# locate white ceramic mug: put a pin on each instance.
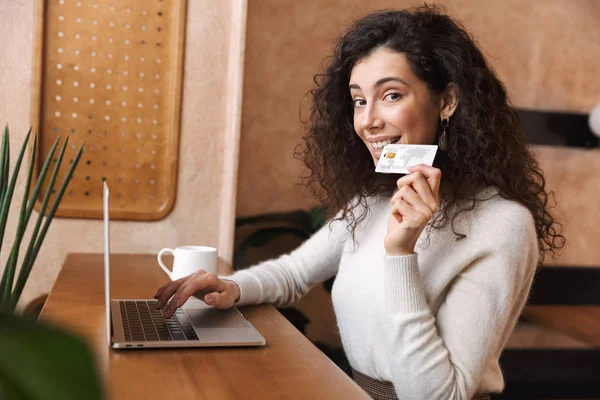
(189, 259)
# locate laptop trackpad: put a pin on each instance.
(215, 318)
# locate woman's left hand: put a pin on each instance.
(413, 206)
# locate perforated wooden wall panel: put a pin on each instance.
(108, 73)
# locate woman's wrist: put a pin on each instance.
(235, 290)
(395, 252)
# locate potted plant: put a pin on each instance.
(36, 361)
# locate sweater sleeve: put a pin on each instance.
(284, 280)
(444, 356)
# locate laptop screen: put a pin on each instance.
(106, 259)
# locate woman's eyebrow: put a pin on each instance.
(390, 79)
(381, 82)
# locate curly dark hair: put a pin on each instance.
(485, 146)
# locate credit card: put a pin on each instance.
(396, 158)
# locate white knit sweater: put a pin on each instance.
(433, 323)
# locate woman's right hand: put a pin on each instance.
(206, 286)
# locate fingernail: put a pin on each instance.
(159, 304)
(178, 303)
(208, 299)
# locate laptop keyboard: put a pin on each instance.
(142, 322)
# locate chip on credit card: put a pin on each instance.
(397, 158)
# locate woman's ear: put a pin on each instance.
(449, 100)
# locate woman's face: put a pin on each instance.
(391, 105)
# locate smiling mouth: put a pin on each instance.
(383, 143)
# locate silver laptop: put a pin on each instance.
(137, 323)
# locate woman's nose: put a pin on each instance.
(371, 119)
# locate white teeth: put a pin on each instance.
(380, 145)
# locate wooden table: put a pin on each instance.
(288, 367)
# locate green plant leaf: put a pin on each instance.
(5, 165)
(41, 177)
(57, 201)
(23, 275)
(34, 246)
(40, 362)
(10, 272)
(22, 225)
(5, 143)
(3, 182)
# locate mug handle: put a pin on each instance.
(159, 258)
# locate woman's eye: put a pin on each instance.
(392, 96)
(358, 102)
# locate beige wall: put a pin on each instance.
(546, 51)
(204, 211)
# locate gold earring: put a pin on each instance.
(443, 143)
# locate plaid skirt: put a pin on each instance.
(382, 390)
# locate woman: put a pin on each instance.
(432, 268)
